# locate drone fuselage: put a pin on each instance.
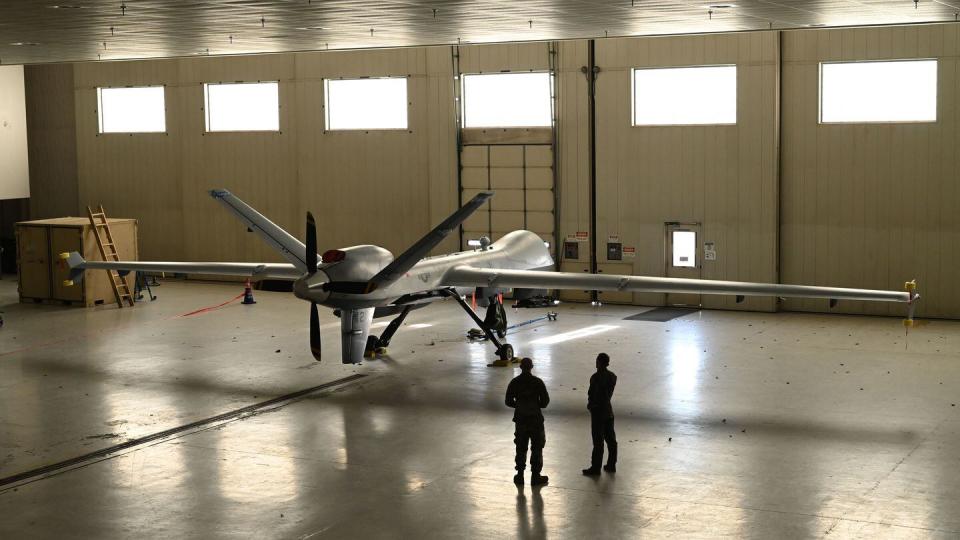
(518, 250)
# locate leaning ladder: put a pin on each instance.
(98, 220)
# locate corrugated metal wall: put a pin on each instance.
(858, 205)
(871, 205)
(724, 177)
(383, 187)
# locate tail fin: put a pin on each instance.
(354, 329)
(279, 239)
(77, 265)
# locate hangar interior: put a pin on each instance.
(746, 417)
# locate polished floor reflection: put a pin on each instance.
(730, 425)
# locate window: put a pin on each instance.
(364, 104)
(131, 110)
(684, 249)
(242, 106)
(886, 91)
(507, 100)
(685, 96)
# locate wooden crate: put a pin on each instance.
(42, 273)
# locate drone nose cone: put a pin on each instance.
(310, 288)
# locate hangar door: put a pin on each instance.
(521, 175)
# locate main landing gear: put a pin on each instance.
(378, 345)
(504, 350)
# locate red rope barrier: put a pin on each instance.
(211, 308)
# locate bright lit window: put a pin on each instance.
(862, 92)
(685, 96)
(363, 104)
(242, 106)
(131, 110)
(685, 249)
(507, 100)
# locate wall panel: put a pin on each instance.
(724, 177)
(870, 205)
(383, 187)
(133, 176)
(51, 140)
(573, 156)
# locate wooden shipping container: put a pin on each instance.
(42, 273)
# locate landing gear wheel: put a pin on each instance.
(371, 349)
(505, 354)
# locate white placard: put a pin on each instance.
(709, 251)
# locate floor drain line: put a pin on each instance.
(112, 451)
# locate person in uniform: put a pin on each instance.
(527, 395)
(599, 395)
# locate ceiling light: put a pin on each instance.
(313, 28)
(66, 6)
(816, 25)
(24, 44)
(721, 6)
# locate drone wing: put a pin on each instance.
(253, 271)
(468, 276)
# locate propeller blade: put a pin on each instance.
(311, 255)
(409, 258)
(314, 331)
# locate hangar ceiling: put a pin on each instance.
(33, 31)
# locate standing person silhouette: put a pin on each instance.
(526, 395)
(599, 395)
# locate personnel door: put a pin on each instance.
(683, 254)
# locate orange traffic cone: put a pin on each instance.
(248, 294)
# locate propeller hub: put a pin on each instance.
(310, 287)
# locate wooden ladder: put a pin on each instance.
(98, 220)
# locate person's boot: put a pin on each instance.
(610, 467)
(538, 480)
(518, 478)
(592, 471)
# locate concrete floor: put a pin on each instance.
(782, 426)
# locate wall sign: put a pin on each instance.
(709, 251)
(579, 237)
